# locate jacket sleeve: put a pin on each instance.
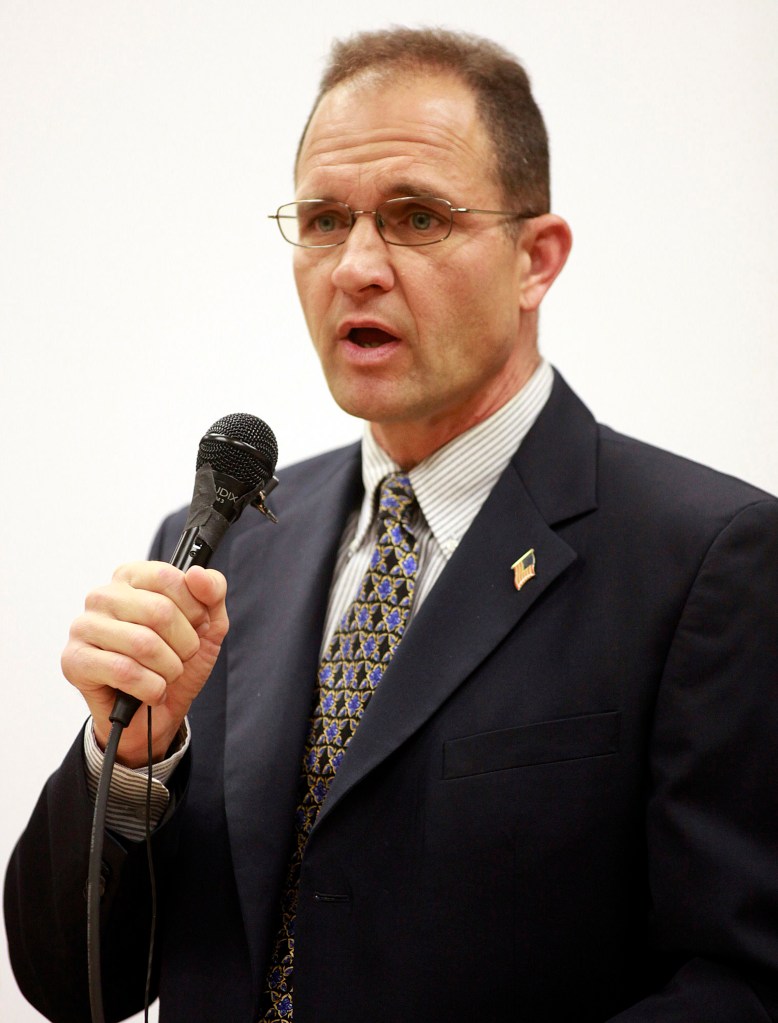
(46, 907)
(45, 896)
(712, 815)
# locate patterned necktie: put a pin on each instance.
(351, 668)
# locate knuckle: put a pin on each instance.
(144, 644)
(69, 661)
(79, 628)
(98, 599)
(167, 575)
(124, 670)
(161, 614)
(77, 663)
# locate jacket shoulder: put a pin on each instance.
(655, 470)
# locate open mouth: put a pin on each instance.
(370, 337)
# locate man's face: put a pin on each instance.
(423, 342)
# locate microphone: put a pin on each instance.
(236, 460)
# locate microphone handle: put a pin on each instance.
(190, 550)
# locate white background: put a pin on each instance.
(143, 294)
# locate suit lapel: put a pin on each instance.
(439, 651)
(437, 654)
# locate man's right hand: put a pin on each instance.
(155, 634)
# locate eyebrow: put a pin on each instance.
(415, 188)
(398, 190)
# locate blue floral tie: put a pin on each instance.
(352, 667)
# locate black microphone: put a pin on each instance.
(235, 465)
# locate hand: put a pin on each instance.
(154, 633)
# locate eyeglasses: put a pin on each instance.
(411, 220)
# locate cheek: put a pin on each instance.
(432, 291)
(459, 312)
(487, 297)
(311, 292)
(472, 330)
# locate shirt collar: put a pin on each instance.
(453, 482)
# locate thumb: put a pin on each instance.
(208, 586)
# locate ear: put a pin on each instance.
(546, 242)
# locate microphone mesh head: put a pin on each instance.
(241, 446)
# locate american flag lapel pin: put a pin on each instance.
(524, 568)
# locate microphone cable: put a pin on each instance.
(95, 882)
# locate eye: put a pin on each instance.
(421, 220)
(322, 222)
(416, 220)
(421, 217)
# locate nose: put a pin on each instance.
(363, 260)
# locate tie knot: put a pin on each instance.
(396, 499)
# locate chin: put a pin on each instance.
(369, 405)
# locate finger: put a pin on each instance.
(159, 577)
(137, 642)
(97, 672)
(122, 602)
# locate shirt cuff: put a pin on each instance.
(126, 810)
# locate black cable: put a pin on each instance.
(152, 877)
(94, 877)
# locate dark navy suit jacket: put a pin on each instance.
(561, 803)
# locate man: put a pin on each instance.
(553, 800)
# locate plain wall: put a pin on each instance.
(143, 293)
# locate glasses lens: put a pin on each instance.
(314, 223)
(414, 220)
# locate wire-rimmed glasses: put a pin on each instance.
(409, 221)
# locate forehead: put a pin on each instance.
(385, 133)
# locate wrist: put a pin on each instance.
(164, 744)
(133, 750)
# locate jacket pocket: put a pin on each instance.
(547, 742)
